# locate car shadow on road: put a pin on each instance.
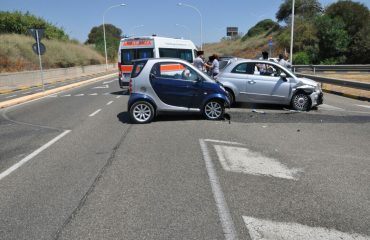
(124, 117)
(123, 92)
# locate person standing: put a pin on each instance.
(283, 62)
(215, 67)
(198, 61)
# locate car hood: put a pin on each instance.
(306, 81)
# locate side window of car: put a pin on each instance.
(244, 68)
(176, 71)
(266, 69)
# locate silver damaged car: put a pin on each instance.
(259, 81)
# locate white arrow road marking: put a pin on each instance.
(108, 81)
(365, 106)
(79, 95)
(93, 94)
(260, 229)
(242, 160)
(220, 141)
(222, 208)
(104, 86)
(330, 107)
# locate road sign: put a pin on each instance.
(37, 32)
(42, 48)
(270, 43)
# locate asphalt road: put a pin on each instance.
(73, 167)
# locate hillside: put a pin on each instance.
(251, 47)
(16, 54)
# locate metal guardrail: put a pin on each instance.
(334, 68)
(338, 82)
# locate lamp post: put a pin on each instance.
(201, 21)
(105, 41)
(183, 26)
(291, 35)
(134, 27)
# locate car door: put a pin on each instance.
(174, 83)
(266, 85)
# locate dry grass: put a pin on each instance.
(16, 54)
(250, 48)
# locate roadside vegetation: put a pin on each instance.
(338, 34)
(16, 45)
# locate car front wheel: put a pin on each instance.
(142, 112)
(301, 102)
(213, 110)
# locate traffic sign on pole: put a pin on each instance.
(37, 33)
(36, 49)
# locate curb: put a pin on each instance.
(347, 95)
(24, 99)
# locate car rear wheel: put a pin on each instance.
(213, 110)
(142, 112)
(301, 102)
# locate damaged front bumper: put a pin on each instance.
(317, 98)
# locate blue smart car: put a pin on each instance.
(173, 85)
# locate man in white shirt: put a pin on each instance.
(198, 61)
(283, 62)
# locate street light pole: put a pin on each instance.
(201, 21)
(105, 41)
(292, 34)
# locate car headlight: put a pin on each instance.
(318, 87)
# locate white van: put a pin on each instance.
(133, 48)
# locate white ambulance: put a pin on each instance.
(151, 47)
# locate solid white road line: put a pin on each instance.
(32, 155)
(118, 96)
(11, 96)
(365, 106)
(260, 229)
(223, 209)
(109, 103)
(242, 160)
(94, 113)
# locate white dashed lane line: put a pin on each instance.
(79, 95)
(94, 113)
(118, 96)
(11, 96)
(365, 106)
(93, 94)
(109, 103)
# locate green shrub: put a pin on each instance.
(266, 26)
(301, 58)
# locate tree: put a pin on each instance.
(112, 36)
(266, 26)
(306, 9)
(333, 38)
(97, 33)
(356, 19)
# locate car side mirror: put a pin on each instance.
(283, 76)
(152, 76)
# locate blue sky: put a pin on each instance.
(77, 17)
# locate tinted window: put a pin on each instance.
(138, 67)
(128, 55)
(244, 68)
(185, 54)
